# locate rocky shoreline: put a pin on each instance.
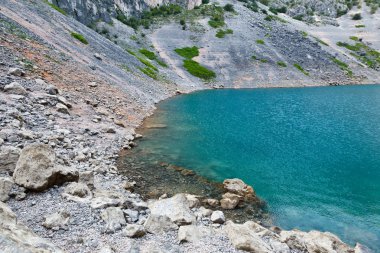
(62, 125)
(62, 183)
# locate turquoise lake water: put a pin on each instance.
(313, 154)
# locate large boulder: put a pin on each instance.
(238, 187)
(36, 169)
(5, 188)
(114, 218)
(56, 220)
(230, 200)
(252, 237)
(15, 88)
(134, 231)
(77, 192)
(192, 233)
(314, 241)
(8, 159)
(218, 217)
(14, 237)
(167, 214)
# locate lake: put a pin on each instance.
(313, 154)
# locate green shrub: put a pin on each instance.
(300, 69)
(343, 66)
(298, 17)
(320, 41)
(354, 38)
(149, 72)
(205, 1)
(55, 7)
(79, 37)
(161, 63)
(222, 33)
(304, 34)
(340, 12)
(263, 60)
(360, 26)
(357, 16)
(197, 70)
(282, 64)
(187, 52)
(147, 63)
(182, 22)
(217, 18)
(252, 6)
(278, 10)
(261, 42)
(229, 8)
(148, 54)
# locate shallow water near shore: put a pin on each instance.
(313, 154)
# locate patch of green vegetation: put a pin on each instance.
(252, 5)
(198, 70)
(14, 29)
(320, 41)
(216, 21)
(192, 66)
(146, 63)
(354, 38)
(363, 53)
(275, 10)
(131, 52)
(357, 16)
(229, 8)
(148, 17)
(187, 52)
(161, 63)
(79, 37)
(299, 67)
(55, 7)
(222, 33)
(262, 60)
(149, 72)
(282, 64)
(274, 18)
(360, 26)
(304, 34)
(343, 66)
(260, 42)
(299, 17)
(152, 56)
(148, 54)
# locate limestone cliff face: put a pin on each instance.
(89, 11)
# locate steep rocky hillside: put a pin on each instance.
(76, 79)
